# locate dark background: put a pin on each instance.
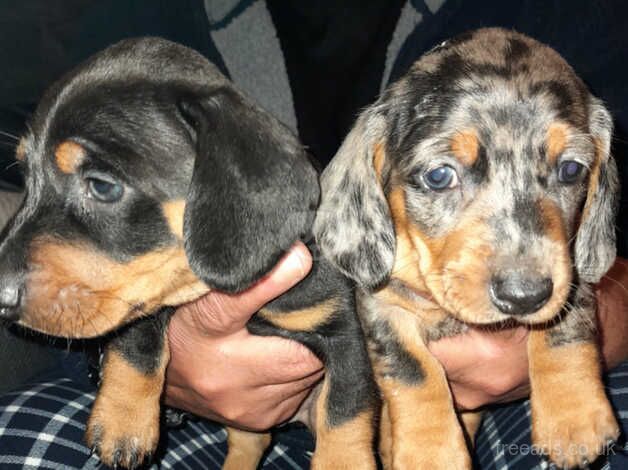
(334, 51)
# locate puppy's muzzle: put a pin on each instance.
(520, 294)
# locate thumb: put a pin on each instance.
(220, 314)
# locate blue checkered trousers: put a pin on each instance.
(42, 427)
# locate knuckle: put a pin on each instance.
(210, 390)
(215, 312)
(301, 358)
(234, 413)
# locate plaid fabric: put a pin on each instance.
(504, 441)
(42, 426)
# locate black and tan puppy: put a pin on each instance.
(149, 181)
(478, 190)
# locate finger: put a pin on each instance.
(278, 414)
(290, 407)
(281, 392)
(271, 359)
(278, 406)
(220, 313)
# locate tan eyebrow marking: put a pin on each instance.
(69, 155)
(465, 146)
(556, 140)
(20, 150)
(379, 156)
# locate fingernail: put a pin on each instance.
(297, 260)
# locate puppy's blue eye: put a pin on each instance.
(105, 191)
(443, 177)
(569, 171)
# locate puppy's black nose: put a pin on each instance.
(518, 295)
(10, 299)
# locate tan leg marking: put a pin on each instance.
(572, 420)
(306, 319)
(471, 421)
(423, 417)
(425, 431)
(348, 446)
(385, 438)
(245, 449)
(124, 423)
(69, 155)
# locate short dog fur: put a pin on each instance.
(149, 181)
(478, 190)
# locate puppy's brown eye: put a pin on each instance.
(569, 171)
(441, 178)
(104, 190)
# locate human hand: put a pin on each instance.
(485, 367)
(220, 371)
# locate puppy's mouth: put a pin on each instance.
(495, 299)
(75, 311)
(73, 292)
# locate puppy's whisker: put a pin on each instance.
(8, 134)
(11, 165)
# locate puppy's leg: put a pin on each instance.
(572, 420)
(385, 438)
(424, 428)
(245, 449)
(344, 410)
(471, 421)
(123, 427)
(344, 441)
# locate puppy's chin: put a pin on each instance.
(467, 299)
(79, 321)
(76, 292)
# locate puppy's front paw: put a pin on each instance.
(123, 434)
(574, 435)
(449, 455)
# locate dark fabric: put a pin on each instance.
(335, 54)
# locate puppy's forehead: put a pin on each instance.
(485, 60)
(128, 128)
(117, 100)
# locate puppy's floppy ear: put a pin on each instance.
(353, 225)
(253, 191)
(595, 241)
